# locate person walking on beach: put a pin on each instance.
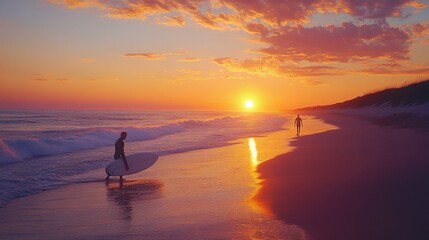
(120, 151)
(298, 124)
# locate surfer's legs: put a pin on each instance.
(120, 178)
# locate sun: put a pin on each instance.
(249, 104)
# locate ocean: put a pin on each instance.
(46, 149)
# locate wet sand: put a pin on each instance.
(203, 194)
(361, 181)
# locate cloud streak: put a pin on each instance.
(176, 21)
(190, 59)
(273, 67)
(41, 79)
(148, 56)
(160, 56)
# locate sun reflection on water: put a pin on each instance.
(253, 153)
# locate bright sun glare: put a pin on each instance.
(249, 104)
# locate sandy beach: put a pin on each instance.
(361, 181)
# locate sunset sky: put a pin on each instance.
(206, 54)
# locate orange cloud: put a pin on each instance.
(149, 56)
(190, 59)
(178, 21)
(274, 67)
(344, 43)
(272, 12)
(418, 29)
(159, 56)
(281, 26)
(76, 3)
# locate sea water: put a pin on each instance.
(46, 149)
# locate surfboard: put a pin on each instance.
(136, 162)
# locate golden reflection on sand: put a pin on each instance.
(255, 205)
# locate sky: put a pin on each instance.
(206, 54)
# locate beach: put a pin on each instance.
(360, 181)
(198, 194)
(344, 177)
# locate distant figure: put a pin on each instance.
(120, 151)
(298, 123)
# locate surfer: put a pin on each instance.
(298, 124)
(120, 151)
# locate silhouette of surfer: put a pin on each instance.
(298, 124)
(120, 151)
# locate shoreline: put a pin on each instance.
(360, 181)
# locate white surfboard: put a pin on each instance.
(136, 162)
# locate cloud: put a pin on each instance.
(190, 59)
(378, 9)
(282, 27)
(149, 56)
(255, 16)
(406, 69)
(159, 56)
(75, 3)
(222, 14)
(418, 29)
(344, 43)
(178, 21)
(274, 67)
(43, 79)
